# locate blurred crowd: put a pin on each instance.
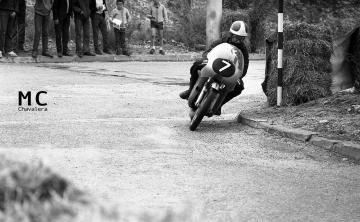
(86, 15)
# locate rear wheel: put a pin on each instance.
(203, 109)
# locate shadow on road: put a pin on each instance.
(145, 77)
(217, 126)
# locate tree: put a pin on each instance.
(261, 9)
(235, 4)
(213, 20)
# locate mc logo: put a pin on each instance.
(27, 97)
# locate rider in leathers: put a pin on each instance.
(235, 37)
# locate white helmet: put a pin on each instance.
(238, 28)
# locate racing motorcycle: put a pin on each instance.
(219, 76)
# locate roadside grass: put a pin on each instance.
(307, 67)
(332, 117)
(34, 193)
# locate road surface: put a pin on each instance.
(119, 131)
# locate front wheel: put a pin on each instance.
(203, 109)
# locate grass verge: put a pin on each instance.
(34, 193)
(333, 117)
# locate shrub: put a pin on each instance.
(191, 28)
(236, 4)
(35, 193)
(355, 59)
(306, 68)
(230, 16)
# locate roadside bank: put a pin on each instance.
(332, 123)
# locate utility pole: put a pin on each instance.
(280, 51)
(213, 21)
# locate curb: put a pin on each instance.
(103, 58)
(345, 148)
(115, 58)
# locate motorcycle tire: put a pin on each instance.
(203, 109)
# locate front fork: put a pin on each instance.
(205, 90)
(216, 86)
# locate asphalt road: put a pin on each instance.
(119, 131)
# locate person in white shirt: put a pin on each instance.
(158, 16)
(120, 18)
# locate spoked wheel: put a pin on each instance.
(203, 109)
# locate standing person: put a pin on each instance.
(42, 20)
(120, 18)
(158, 16)
(62, 12)
(21, 26)
(8, 11)
(98, 21)
(82, 13)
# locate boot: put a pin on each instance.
(126, 52)
(89, 54)
(34, 54)
(107, 51)
(185, 94)
(98, 51)
(66, 52)
(47, 54)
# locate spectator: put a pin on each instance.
(158, 17)
(62, 12)
(120, 18)
(21, 26)
(82, 25)
(8, 10)
(42, 20)
(98, 9)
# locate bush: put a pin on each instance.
(355, 59)
(140, 32)
(191, 28)
(306, 67)
(339, 27)
(35, 193)
(236, 4)
(230, 16)
(259, 16)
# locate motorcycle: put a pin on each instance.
(219, 76)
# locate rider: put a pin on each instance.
(235, 37)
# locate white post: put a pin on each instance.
(213, 21)
(280, 52)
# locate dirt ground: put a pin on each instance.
(333, 117)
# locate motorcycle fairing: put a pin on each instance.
(228, 52)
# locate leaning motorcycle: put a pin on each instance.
(219, 76)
